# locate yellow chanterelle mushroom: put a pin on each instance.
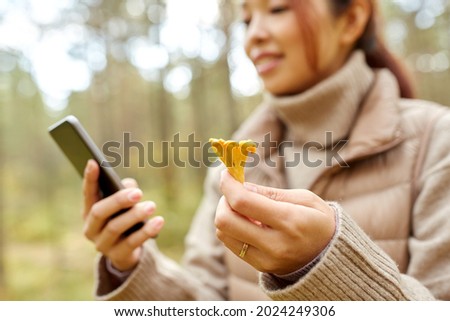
(233, 154)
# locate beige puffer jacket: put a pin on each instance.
(392, 240)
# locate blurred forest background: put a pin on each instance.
(154, 69)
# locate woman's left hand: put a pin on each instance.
(284, 229)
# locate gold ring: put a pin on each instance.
(243, 250)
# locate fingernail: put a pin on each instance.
(250, 187)
(135, 195)
(87, 169)
(149, 207)
(157, 222)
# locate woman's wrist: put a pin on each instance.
(119, 275)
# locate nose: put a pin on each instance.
(257, 30)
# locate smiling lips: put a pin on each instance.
(265, 62)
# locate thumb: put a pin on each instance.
(276, 194)
(294, 196)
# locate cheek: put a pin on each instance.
(295, 76)
(330, 54)
(296, 73)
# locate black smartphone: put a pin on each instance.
(78, 146)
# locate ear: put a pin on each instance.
(355, 20)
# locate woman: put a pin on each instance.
(362, 216)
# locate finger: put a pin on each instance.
(236, 246)
(151, 229)
(232, 224)
(102, 210)
(126, 248)
(115, 228)
(251, 254)
(91, 190)
(251, 204)
(129, 183)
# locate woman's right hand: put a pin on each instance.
(123, 252)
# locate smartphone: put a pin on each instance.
(78, 146)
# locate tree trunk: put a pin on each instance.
(163, 105)
(228, 16)
(2, 202)
(2, 232)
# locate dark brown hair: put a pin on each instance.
(371, 42)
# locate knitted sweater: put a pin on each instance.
(388, 182)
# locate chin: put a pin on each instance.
(278, 88)
(283, 91)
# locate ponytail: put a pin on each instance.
(378, 55)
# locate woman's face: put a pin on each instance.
(276, 45)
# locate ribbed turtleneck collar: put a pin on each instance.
(330, 106)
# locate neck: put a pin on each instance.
(329, 106)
